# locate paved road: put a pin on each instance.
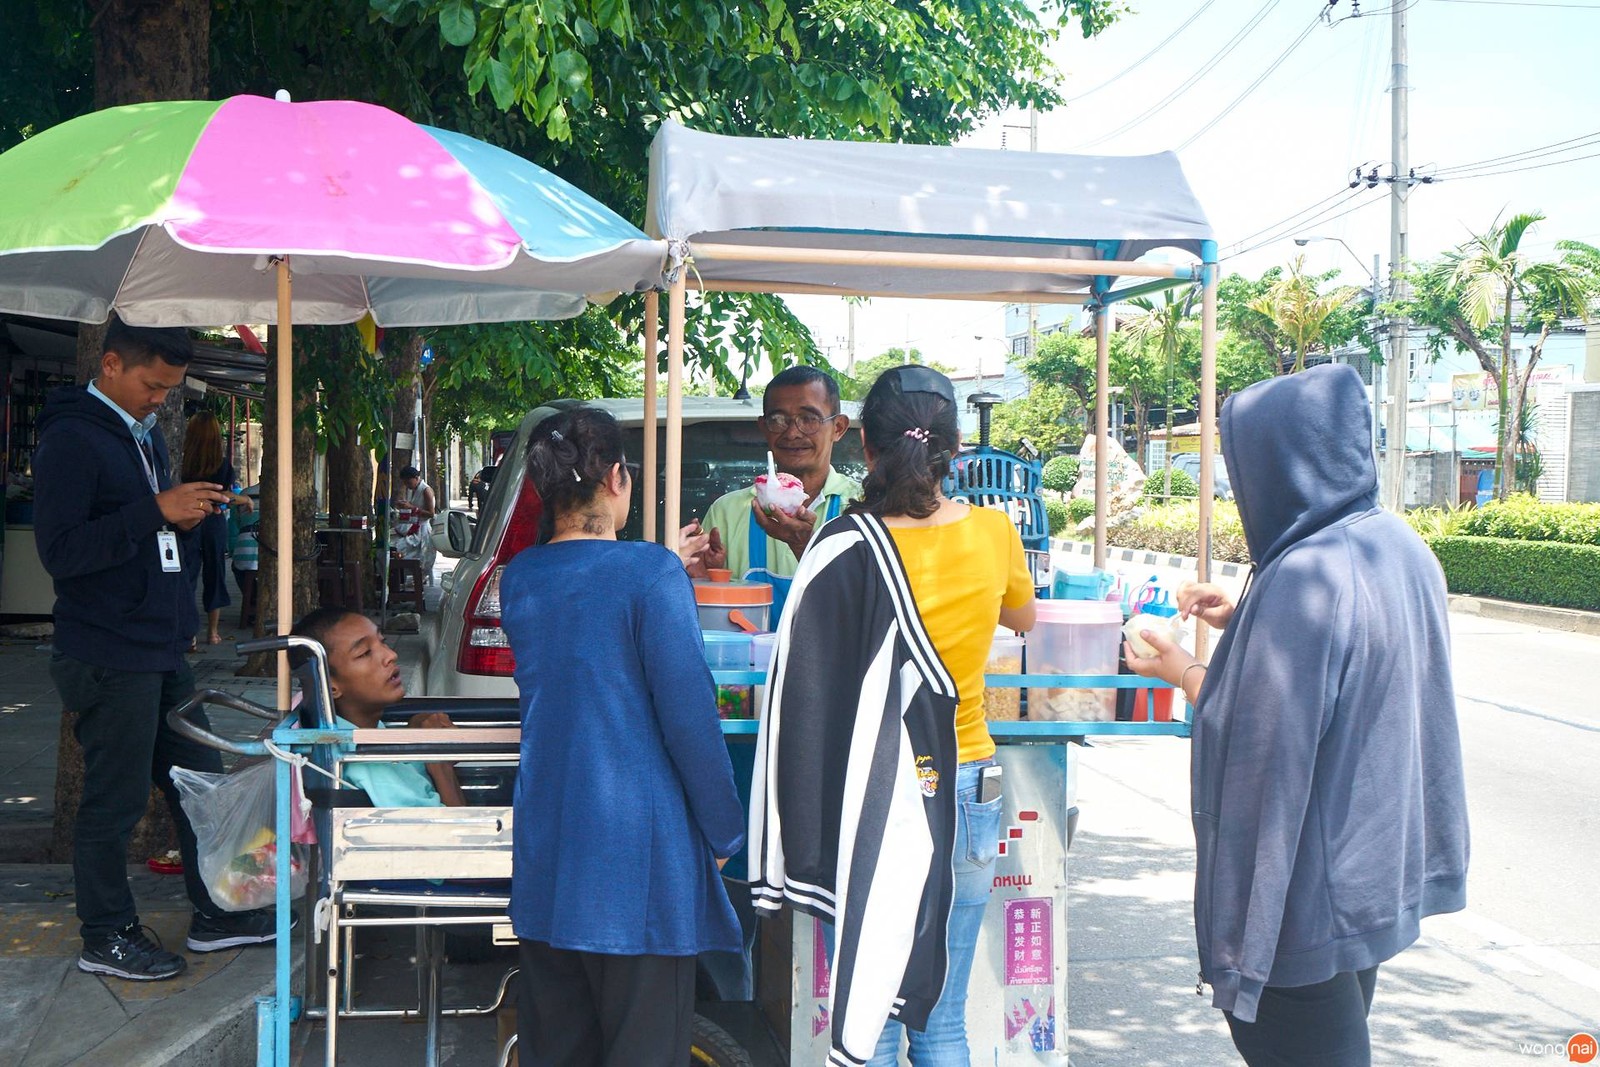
(1522, 965)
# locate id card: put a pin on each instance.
(167, 547)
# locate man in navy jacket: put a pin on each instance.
(112, 530)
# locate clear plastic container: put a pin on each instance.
(1074, 637)
(1003, 704)
(726, 651)
(761, 650)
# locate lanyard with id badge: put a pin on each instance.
(166, 537)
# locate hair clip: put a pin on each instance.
(575, 476)
(919, 433)
(555, 435)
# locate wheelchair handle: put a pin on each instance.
(178, 719)
(318, 665)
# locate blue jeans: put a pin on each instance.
(944, 1043)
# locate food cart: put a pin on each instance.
(892, 220)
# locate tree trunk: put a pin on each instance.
(350, 493)
(144, 50)
(1505, 467)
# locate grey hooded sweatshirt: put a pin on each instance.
(1329, 808)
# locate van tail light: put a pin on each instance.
(484, 646)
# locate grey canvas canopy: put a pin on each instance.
(848, 218)
(766, 193)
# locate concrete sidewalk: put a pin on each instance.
(52, 1014)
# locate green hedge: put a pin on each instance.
(1175, 528)
(1525, 518)
(1060, 474)
(1181, 485)
(1531, 572)
(1056, 512)
(1080, 508)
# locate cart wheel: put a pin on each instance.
(712, 1046)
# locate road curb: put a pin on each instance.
(1567, 619)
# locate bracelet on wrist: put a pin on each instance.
(1184, 674)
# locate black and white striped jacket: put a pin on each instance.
(853, 807)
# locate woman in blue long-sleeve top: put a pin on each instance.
(625, 804)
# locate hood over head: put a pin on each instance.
(1299, 453)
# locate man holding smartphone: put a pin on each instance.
(112, 531)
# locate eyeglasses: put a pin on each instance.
(632, 468)
(915, 378)
(807, 422)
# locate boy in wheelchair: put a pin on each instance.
(364, 678)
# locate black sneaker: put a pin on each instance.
(213, 933)
(128, 953)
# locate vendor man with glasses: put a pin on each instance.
(802, 421)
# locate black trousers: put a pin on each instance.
(584, 1009)
(127, 745)
(1322, 1025)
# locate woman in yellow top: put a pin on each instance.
(968, 574)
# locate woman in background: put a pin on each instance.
(204, 461)
(854, 696)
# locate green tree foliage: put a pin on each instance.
(867, 371)
(1047, 415)
(1268, 335)
(1301, 311)
(1169, 329)
(579, 86)
(1480, 294)
(1170, 483)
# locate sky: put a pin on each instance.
(1487, 78)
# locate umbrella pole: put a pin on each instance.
(285, 445)
(652, 322)
(1102, 376)
(675, 297)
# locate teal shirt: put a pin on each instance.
(391, 785)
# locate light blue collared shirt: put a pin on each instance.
(140, 430)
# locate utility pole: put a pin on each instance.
(1033, 309)
(1399, 190)
(850, 352)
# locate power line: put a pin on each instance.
(1136, 64)
(1189, 83)
(1524, 3)
(1293, 219)
(1253, 86)
(1516, 170)
(1331, 214)
(1528, 153)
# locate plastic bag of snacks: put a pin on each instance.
(232, 815)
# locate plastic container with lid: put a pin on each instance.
(761, 650)
(1003, 704)
(726, 651)
(718, 600)
(1074, 637)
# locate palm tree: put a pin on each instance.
(1300, 312)
(1476, 293)
(1167, 324)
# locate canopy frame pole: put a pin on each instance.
(675, 316)
(723, 285)
(1208, 424)
(1102, 412)
(284, 472)
(705, 254)
(647, 458)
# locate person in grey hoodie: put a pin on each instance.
(1328, 801)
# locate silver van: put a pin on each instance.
(466, 651)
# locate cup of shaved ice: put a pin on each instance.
(782, 491)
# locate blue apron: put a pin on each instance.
(758, 562)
